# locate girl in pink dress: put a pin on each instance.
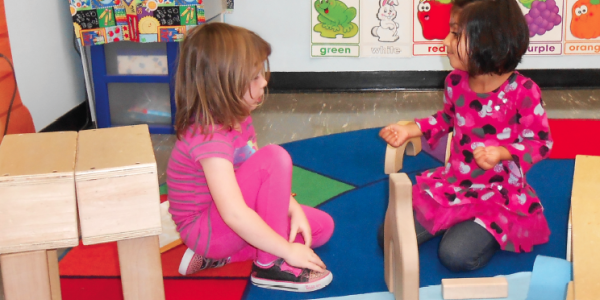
(480, 201)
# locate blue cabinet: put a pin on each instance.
(134, 84)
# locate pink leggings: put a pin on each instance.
(265, 180)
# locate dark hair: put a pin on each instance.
(217, 63)
(496, 34)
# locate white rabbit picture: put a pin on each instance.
(387, 31)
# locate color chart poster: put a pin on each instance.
(545, 21)
(582, 28)
(355, 28)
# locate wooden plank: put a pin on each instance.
(114, 147)
(570, 238)
(25, 275)
(39, 153)
(169, 238)
(475, 288)
(54, 275)
(141, 269)
(570, 295)
(586, 222)
(401, 253)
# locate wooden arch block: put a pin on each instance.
(395, 156)
(401, 252)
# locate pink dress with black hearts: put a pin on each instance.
(498, 199)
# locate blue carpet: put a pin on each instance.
(353, 255)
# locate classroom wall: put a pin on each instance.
(286, 25)
(48, 70)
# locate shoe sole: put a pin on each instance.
(301, 287)
(185, 261)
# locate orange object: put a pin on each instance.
(586, 19)
(20, 118)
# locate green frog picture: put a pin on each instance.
(335, 18)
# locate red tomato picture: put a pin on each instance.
(434, 17)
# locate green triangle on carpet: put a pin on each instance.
(163, 189)
(313, 189)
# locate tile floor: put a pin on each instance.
(291, 117)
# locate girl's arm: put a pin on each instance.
(534, 141)
(441, 123)
(244, 221)
(396, 135)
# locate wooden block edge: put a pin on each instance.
(66, 243)
(120, 236)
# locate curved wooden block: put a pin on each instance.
(448, 147)
(401, 252)
(395, 156)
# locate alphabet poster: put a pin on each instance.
(355, 28)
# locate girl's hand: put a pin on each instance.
(394, 134)
(488, 157)
(299, 224)
(301, 256)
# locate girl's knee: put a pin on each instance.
(456, 259)
(326, 225)
(277, 155)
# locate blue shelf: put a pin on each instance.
(102, 79)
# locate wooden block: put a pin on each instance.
(25, 275)
(585, 208)
(401, 253)
(117, 184)
(584, 226)
(37, 192)
(474, 288)
(395, 156)
(54, 274)
(141, 269)
(569, 239)
(570, 295)
(448, 147)
(169, 238)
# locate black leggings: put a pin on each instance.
(466, 246)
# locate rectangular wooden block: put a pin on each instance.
(37, 192)
(570, 295)
(141, 269)
(117, 184)
(473, 288)
(26, 276)
(585, 209)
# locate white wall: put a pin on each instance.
(286, 25)
(48, 70)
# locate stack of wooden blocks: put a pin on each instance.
(118, 198)
(38, 209)
(110, 176)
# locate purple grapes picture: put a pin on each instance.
(542, 17)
